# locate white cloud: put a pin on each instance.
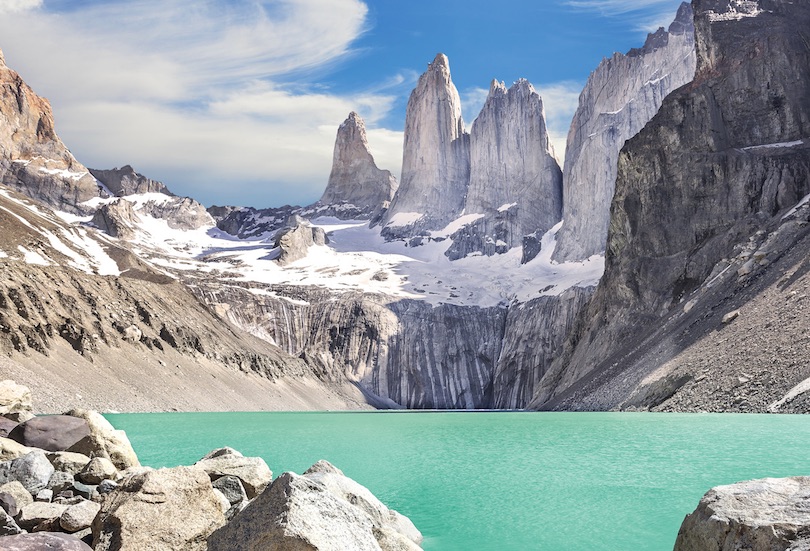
(472, 101)
(560, 101)
(644, 15)
(16, 6)
(197, 94)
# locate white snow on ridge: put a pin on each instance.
(402, 219)
(506, 207)
(774, 145)
(456, 225)
(33, 257)
(738, 9)
(64, 173)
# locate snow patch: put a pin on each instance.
(33, 257)
(774, 145)
(800, 204)
(737, 9)
(64, 173)
(456, 225)
(504, 208)
(3, 254)
(402, 219)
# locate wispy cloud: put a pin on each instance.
(201, 94)
(644, 15)
(17, 6)
(560, 101)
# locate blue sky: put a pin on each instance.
(238, 102)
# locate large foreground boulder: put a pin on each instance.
(33, 471)
(771, 514)
(14, 398)
(164, 510)
(104, 441)
(44, 541)
(324, 511)
(51, 432)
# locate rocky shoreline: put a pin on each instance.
(72, 482)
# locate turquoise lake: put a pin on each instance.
(506, 481)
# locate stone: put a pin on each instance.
(231, 487)
(435, 159)
(620, 97)
(125, 181)
(87, 491)
(7, 526)
(296, 513)
(44, 540)
(17, 491)
(14, 398)
(69, 462)
(253, 472)
(515, 181)
(104, 441)
(51, 432)
(80, 516)
(32, 470)
(356, 189)
(6, 426)
(731, 316)
(117, 219)
(97, 470)
(294, 241)
(37, 513)
(107, 486)
(162, 510)
(11, 449)
(343, 487)
(9, 504)
(44, 496)
(769, 514)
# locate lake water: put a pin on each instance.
(506, 481)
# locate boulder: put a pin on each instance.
(50, 432)
(44, 540)
(22, 497)
(87, 491)
(6, 426)
(60, 481)
(7, 525)
(8, 503)
(33, 471)
(104, 441)
(98, 469)
(69, 462)
(231, 487)
(107, 486)
(39, 513)
(45, 496)
(343, 487)
(252, 471)
(14, 398)
(296, 513)
(79, 516)
(162, 510)
(770, 514)
(11, 449)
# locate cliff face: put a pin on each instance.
(33, 160)
(356, 188)
(702, 193)
(515, 182)
(436, 155)
(620, 97)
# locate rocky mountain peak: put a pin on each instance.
(356, 187)
(497, 86)
(684, 22)
(125, 181)
(435, 160)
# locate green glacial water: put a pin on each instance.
(506, 481)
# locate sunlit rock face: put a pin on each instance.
(515, 181)
(620, 97)
(356, 188)
(436, 156)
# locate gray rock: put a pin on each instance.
(231, 487)
(253, 472)
(759, 515)
(436, 157)
(107, 486)
(50, 432)
(7, 525)
(117, 219)
(163, 510)
(619, 99)
(515, 181)
(357, 188)
(60, 481)
(125, 181)
(104, 441)
(68, 462)
(97, 470)
(32, 470)
(14, 398)
(18, 493)
(6, 426)
(294, 241)
(44, 540)
(40, 513)
(44, 496)
(87, 491)
(297, 513)
(79, 516)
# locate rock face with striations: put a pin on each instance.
(723, 162)
(125, 181)
(357, 188)
(515, 181)
(436, 157)
(33, 160)
(620, 97)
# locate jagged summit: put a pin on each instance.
(125, 181)
(356, 188)
(620, 97)
(435, 160)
